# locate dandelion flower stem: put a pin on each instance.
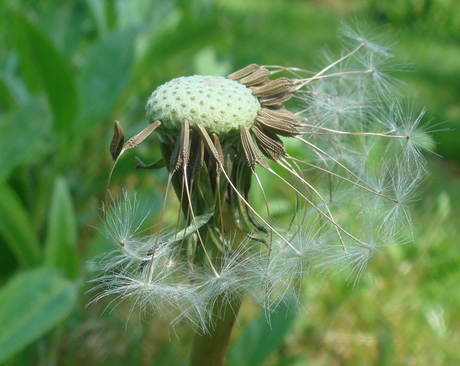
(210, 349)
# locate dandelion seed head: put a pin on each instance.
(358, 166)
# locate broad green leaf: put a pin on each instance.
(16, 228)
(31, 303)
(23, 136)
(61, 236)
(261, 338)
(104, 75)
(43, 63)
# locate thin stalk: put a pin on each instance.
(210, 349)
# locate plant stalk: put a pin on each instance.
(210, 349)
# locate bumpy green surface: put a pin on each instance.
(219, 104)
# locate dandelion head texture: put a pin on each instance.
(356, 162)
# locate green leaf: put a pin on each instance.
(32, 303)
(104, 75)
(29, 127)
(61, 236)
(43, 65)
(261, 338)
(16, 228)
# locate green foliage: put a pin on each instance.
(31, 303)
(68, 69)
(61, 239)
(20, 125)
(99, 89)
(263, 336)
(43, 66)
(17, 229)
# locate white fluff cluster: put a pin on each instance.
(178, 289)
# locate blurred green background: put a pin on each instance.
(69, 68)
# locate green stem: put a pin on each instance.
(210, 349)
